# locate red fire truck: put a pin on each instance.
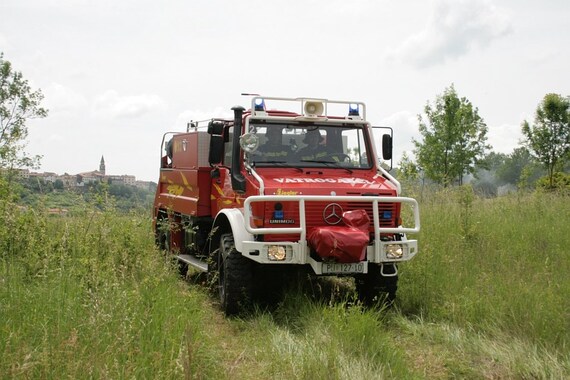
(290, 183)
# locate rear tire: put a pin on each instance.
(162, 233)
(235, 280)
(373, 288)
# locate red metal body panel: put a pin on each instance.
(185, 186)
(222, 195)
(184, 191)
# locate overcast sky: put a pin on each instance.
(118, 74)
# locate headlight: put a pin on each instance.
(276, 253)
(394, 251)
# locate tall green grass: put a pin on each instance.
(315, 339)
(494, 264)
(90, 297)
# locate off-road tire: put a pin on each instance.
(162, 234)
(375, 289)
(235, 280)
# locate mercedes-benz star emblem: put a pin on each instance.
(332, 214)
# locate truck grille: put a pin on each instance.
(314, 215)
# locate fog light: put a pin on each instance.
(276, 253)
(394, 251)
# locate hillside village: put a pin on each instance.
(71, 181)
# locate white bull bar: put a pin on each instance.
(298, 252)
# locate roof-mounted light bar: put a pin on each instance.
(309, 108)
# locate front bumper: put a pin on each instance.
(299, 252)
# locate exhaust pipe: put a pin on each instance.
(238, 180)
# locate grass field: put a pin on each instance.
(89, 296)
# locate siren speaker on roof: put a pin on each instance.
(314, 108)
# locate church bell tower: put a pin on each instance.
(102, 166)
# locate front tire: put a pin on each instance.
(235, 280)
(373, 288)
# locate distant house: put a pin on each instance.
(90, 177)
(85, 178)
(16, 173)
(69, 180)
(121, 179)
(146, 185)
(46, 176)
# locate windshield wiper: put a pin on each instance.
(284, 164)
(329, 163)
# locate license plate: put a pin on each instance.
(339, 268)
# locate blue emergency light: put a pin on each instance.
(353, 110)
(259, 104)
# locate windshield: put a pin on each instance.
(310, 146)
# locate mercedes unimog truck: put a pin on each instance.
(289, 183)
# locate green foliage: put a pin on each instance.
(407, 169)
(493, 265)
(18, 103)
(453, 139)
(560, 182)
(91, 297)
(519, 165)
(549, 138)
(36, 192)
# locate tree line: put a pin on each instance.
(38, 193)
(453, 146)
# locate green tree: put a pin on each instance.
(18, 103)
(519, 165)
(58, 184)
(454, 139)
(408, 169)
(548, 139)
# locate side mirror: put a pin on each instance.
(387, 147)
(216, 149)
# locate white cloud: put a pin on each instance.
(112, 105)
(452, 30)
(61, 98)
(4, 45)
(504, 138)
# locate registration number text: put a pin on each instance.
(343, 268)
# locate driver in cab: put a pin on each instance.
(314, 150)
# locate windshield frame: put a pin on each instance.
(344, 146)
